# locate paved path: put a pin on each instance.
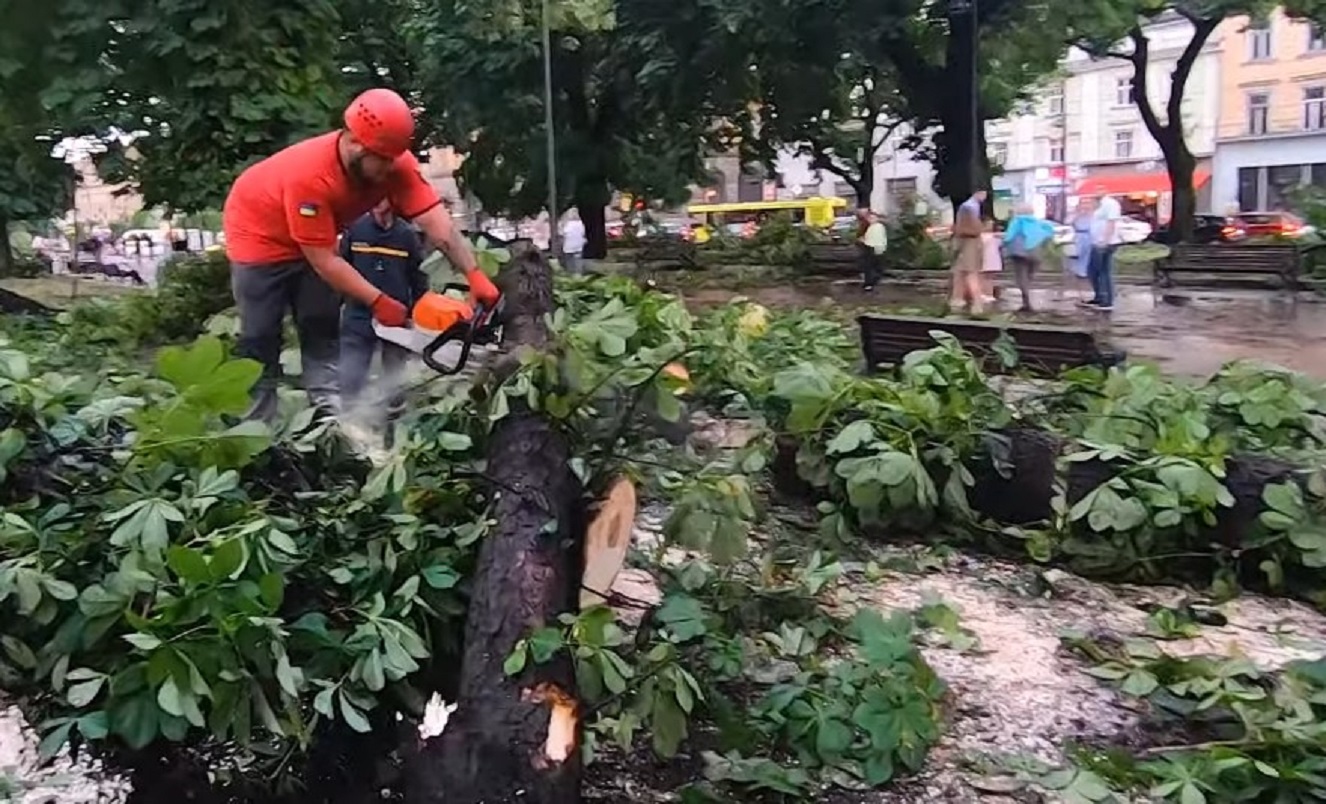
(1188, 331)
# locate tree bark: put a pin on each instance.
(516, 738)
(592, 199)
(1180, 164)
(6, 251)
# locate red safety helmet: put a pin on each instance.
(381, 121)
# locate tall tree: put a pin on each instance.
(1117, 30)
(37, 52)
(214, 86)
(933, 65)
(638, 94)
(826, 91)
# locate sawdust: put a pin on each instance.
(67, 779)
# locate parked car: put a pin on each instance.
(1206, 229)
(1272, 224)
(1133, 230)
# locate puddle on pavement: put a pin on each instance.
(1189, 332)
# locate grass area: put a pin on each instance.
(62, 291)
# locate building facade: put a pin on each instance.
(1082, 133)
(1271, 135)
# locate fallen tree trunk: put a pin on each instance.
(516, 738)
(1015, 480)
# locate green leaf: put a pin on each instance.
(144, 642)
(188, 564)
(851, 438)
(81, 694)
(353, 717)
(54, 740)
(168, 698)
(136, 719)
(515, 661)
(440, 576)
(668, 724)
(454, 442)
(683, 615)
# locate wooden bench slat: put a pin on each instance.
(1042, 348)
(1269, 259)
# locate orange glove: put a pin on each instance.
(389, 312)
(482, 289)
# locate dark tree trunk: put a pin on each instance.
(591, 199)
(6, 252)
(1180, 163)
(497, 746)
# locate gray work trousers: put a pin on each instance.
(264, 294)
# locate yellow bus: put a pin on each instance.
(818, 212)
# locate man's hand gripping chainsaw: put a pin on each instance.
(440, 321)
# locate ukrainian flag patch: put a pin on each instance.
(308, 210)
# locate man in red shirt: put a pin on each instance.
(281, 221)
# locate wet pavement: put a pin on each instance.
(1189, 331)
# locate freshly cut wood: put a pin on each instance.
(515, 738)
(607, 540)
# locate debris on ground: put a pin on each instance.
(67, 779)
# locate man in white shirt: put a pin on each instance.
(573, 242)
(873, 242)
(1105, 240)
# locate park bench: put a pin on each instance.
(1225, 261)
(665, 253)
(834, 257)
(1043, 349)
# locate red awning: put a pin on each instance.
(1130, 184)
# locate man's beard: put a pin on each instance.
(356, 170)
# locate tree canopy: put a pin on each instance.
(639, 95)
(1116, 29)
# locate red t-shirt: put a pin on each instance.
(302, 196)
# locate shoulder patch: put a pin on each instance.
(308, 209)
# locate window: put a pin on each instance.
(1316, 39)
(1250, 188)
(1259, 106)
(1055, 100)
(1123, 91)
(1259, 41)
(998, 153)
(1314, 108)
(1123, 144)
(1281, 182)
(1056, 151)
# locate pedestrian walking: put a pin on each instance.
(1023, 240)
(573, 242)
(386, 251)
(967, 255)
(1105, 241)
(281, 221)
(872, 242)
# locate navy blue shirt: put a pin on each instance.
(389, 258)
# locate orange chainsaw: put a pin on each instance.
(444, 329)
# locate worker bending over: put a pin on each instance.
(281, 220)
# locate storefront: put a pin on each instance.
(1144, 194)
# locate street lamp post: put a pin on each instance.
(548, 127)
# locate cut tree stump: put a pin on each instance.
(516, 738)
